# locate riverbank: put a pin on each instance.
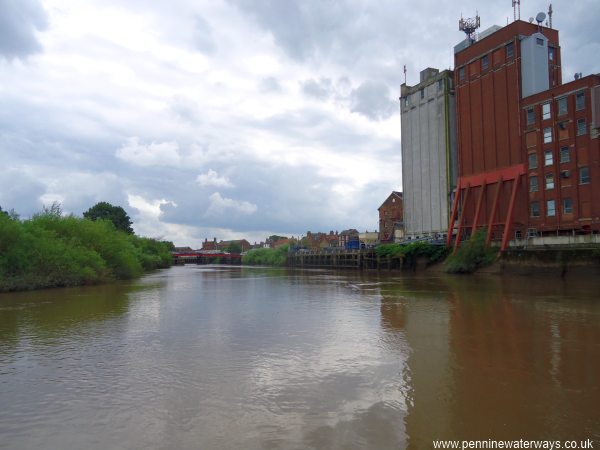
(50, 250)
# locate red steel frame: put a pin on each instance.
(499, 178)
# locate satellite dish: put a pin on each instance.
(540, 17)
(531, 20)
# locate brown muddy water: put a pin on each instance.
(214, 357)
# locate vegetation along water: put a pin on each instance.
(51, 249)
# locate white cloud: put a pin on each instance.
(153, 154)
(212, 178)
(150, 208)
(220, 205)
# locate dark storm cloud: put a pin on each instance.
(19, 21)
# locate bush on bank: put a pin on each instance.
(410, 252)
(266, 256)
(471, 255)
(50, 250)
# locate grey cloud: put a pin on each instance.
(19, 21)
(202, 38)
(321, 89)
(373, 100)
(270, 84)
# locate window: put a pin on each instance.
(550, 208)
(551, 53)
(567, 206)
(440, 85)
(533, 184)
(539, 41)
(563, 130)
(548, 160)
(546, 111)
(549, 181)
(461, 73)
(518, 235)
(580, 100)
(530, 116)
(510, 50)
(584, 175)
(532, 159)
(547, 135)
(565, 155)
(562, 106)
(485, 63)
(581, 127)
(407, 101)
(422, 94)
(534, 209)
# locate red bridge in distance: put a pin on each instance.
(206, 257)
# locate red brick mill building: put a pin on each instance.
(528, 146)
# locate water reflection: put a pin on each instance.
(229, 357)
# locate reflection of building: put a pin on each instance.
(428, 152)
(528, 146)
(390, 217)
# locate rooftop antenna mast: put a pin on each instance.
(550, 15)
(517, 6)
(404, 73)
(468, 26)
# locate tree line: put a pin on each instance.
(51, 249)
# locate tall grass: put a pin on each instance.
(50, 250)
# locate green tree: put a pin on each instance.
(115, 214)
(234, 247)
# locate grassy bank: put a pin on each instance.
(50, 250)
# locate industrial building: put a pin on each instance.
(528, 147)
(429, 162)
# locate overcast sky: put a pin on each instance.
(227, 119)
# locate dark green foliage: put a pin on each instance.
(234, 247)
(410, 252)
(115, 214)
(266, 256)
(471, 255)
(50, 250)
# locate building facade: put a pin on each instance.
(429, 161)
(511, 138)
(391, 217)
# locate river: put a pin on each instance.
(217, 357)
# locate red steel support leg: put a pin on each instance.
(509, 215)
(478, 209)
(453, 214)
(493, 215)
(462, 217)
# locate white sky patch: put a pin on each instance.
(220, 205)
(149, 208)
(212, 178)
(153, 154)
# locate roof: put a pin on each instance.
(394, 194)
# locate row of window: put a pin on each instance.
(565, 157)
(567, 208)
(509, 50)
(584, 178)
(562, 108)
(440, 88)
